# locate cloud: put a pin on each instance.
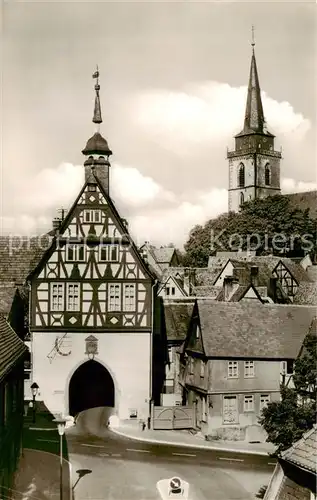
(293, 186)
(207, 113)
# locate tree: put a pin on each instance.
(286, 421)
(268, 226)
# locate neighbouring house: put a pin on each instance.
(159, 259)
(177, 316)
(12, 356)
(177, 283)
(295, 476)
(233, 360)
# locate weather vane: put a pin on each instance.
(253, 42)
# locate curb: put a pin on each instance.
(188, 445)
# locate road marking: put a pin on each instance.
(272, 463)
(116, 455)
(184, 454)
(94, 445)
(104, 455)
(49, 440)
(140, 451)
(231, 459)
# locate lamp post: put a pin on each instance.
(34, 389)
(61, 422)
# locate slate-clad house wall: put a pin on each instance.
(12, 355)
(233, 362)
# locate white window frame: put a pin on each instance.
(249, 369)
(263, 404)
(58, 303)
(76, 249)
(109, 249)
(248, 403)
(129, 299)
(202, 368)
(92, 216)
(73, 297)
(233, 369)
(114, 298)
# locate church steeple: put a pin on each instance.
(97, 149)
(254, 121)
(254, 165)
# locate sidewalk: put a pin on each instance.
(37, 477)
(185, 438)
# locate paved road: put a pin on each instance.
(117, 468)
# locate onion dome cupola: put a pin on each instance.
(97, 149)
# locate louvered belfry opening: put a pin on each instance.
(91, 386)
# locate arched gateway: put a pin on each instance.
(91, 386)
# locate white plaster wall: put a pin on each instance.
(125, 355)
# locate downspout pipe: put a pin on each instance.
(151, 353)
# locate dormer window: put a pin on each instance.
(267, 175)
(241, 175)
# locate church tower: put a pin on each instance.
(254, 165)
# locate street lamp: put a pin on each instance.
(34, 389)
(61, 422)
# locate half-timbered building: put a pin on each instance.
(91, 312)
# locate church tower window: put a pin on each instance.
(241, 175)
(267, 175)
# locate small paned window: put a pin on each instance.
(173, 290)
(233, 369)
(72, 297)
(75, 252)
(264, 400)
(249, 402)
(57, 296)
(92, 216)
(109, 253)
(248, 369)
(167, 290)
(114, 297)
(129, 297)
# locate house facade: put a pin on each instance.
(12, 355)
(91, 312)
(233, 360)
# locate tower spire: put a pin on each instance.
(97, 109)
(254, 117)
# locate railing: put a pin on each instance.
(249, 151)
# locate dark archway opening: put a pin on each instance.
(91, 386)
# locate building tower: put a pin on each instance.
(97, 148)
(254, 165)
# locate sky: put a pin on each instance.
(173, 79)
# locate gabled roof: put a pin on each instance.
(19, 255)
(68, 218)
(11, 347)
(253, 330)
(163, 255)
(297, 271)
(177, 315)
(177, 280)
(304, 452)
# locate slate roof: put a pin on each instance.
(7, 293)
(303, 201)
(253, 330)
(306, 294)
(271, 262)
(177, 316)
(20, 255)
(11, 347)
(163, 255)
(304, 452)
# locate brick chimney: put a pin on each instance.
(254, 275)
(189, 280)
(272, 288)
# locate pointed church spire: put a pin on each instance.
(97, 110)
(254, 117)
